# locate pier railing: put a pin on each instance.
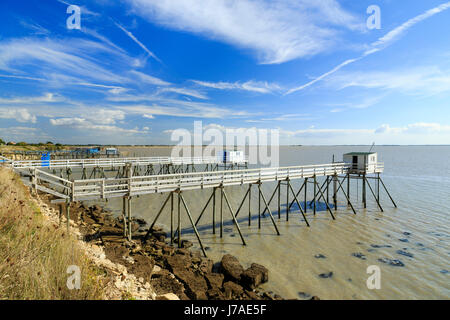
(139, 185)
(115, 162)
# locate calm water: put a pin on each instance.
(418, 178)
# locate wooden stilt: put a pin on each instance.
(234, 218)
(268, 210)
(300, 207)
(192, 223)
(385, 189)
(373, 193)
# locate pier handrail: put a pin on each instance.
(99, 162)
(137, 185)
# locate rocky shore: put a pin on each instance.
(155, 269)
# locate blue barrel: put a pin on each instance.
(45, 159)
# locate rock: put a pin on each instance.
(254, 276)
(304, 295)
(381, 246)
(178, 262)
(214, 280)
(392, 262)
(315, 298)
(326, 275)
(359, 255)
(319, 256)
(252, 295)
(404, 253)
(215, 294)
(195, 284)
(231, 267)
(186, 244)
(156, 269)
(167, 296)
(407, 233)
(444, 271)
(232, 290)
(403, 240)
(206, 265)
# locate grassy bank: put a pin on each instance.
(34, 253)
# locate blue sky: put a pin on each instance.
(138, 69)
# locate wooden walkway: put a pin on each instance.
(115, 162)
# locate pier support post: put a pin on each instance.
(129, 219)
(214, 211)
(335, 190)
(314, 199)
(249, 204)
(299, 206)
(221, 211)
(373, 193)
(279, 200)
(68, 215)
(385, 189)
(171, 218)
(234, 217)
(259, 205)
(306, 195)
(179, 219)
(268, 210)
(288, 186)
(124, 211)
(364, 191)
(348, 188)
(192, 223)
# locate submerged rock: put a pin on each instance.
(392, 262)
(319, 256)
(326, 275)
(403, 240)
(304, 295)
(381, 246)
(404, 253)
(359, 255)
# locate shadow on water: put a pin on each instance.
(294, 212)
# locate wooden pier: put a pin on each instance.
(335, 179)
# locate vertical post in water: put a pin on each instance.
(315, 189)
(378, 187)
(179, 218)
(279, 199)
(348, 188)
(214, 211)
(364, 190)
(129, 219)
(171, 217)
(249, 204)
(124, 212)
(288, 184)
(259, 204)
(306, 194)
(335, 191)
(221, 211)
(68, 215)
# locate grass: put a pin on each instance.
(34, 253)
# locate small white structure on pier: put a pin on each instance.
(362, 162)
(232, 156)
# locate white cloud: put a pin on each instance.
(53, 59)
(149, 79)
(185, 92)
(382, 43)
(415, 128)
(254, 86)
(278, 30)
(83, 124)
(423, 80)
(18, 114)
